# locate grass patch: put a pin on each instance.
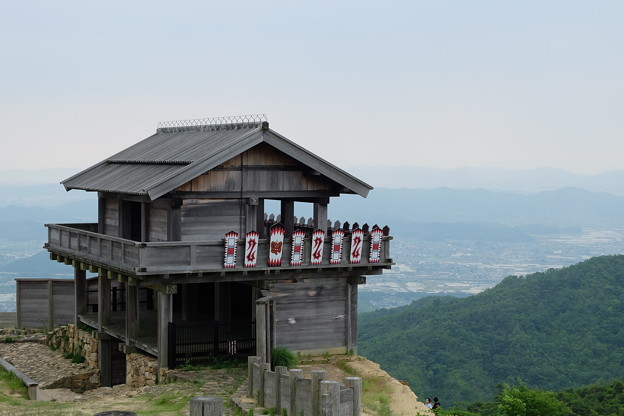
(344, 366)
(282, 356)
(376, 395)
(12, 383)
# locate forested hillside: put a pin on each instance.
(554, 330)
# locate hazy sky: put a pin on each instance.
(518, 84)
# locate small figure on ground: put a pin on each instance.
(428, 403)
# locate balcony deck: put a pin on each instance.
(116, 327)
(80, 242)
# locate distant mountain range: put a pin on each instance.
(554, 330)
(495, 179)
(404, 209)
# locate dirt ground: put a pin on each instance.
(223, 383)
(403, 401)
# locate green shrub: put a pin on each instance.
(284, 357)
(8, 340)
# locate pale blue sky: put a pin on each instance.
(518, 84)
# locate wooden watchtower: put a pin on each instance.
(184, 253)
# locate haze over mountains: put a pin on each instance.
(446, 240)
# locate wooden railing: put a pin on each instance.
(82, 243)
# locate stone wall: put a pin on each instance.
(69, 339)
(141, 370)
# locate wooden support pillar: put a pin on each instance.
(261, 229)
(217, 302)
(144, 221)
(251, 216)
(104, 358)
(132, 312)
(101, 215)
(80, 294)
(265, 328)
(320, 215)
(50, 305)
(104, 301)
(352, 306)
(288, 216)
(165, 315)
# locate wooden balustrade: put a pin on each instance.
(80, 242)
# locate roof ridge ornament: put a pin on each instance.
(214, 123)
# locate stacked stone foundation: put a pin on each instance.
(141, 370)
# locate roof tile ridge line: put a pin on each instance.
(105, 160)
(320, 159)
(198, 161)
(149, 162)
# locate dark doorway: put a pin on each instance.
(131, 220)
(118, 364)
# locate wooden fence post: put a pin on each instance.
(250, 385)
(294, 375)
(332, 389)
(317, 376)
(279, 370)
(264, 367)
(206, 406)
(355, 383)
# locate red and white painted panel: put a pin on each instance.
(316, 253)
(357, 239)
(296, 256)
(229, 258)
(336, 247)
(375, 245)
(251, 249)
(276, 245)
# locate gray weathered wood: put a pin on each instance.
(206, 406)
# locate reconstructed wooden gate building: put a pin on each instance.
(182, 241)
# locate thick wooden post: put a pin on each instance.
(250, 384)
(294, 375)
(165, 315)
(320, 215)
(332, 389)
(80, 294)
(352, 305)
(317, 377)
(104, 301)
(104, 359)
(279, 371)
(132, 312)
(355, 383)
(265, 328)
(206, 406)
(50, 305)
(288, 216)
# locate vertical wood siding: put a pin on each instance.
(157, 222)
(111, 217)
(311, 314)
(205, 220)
